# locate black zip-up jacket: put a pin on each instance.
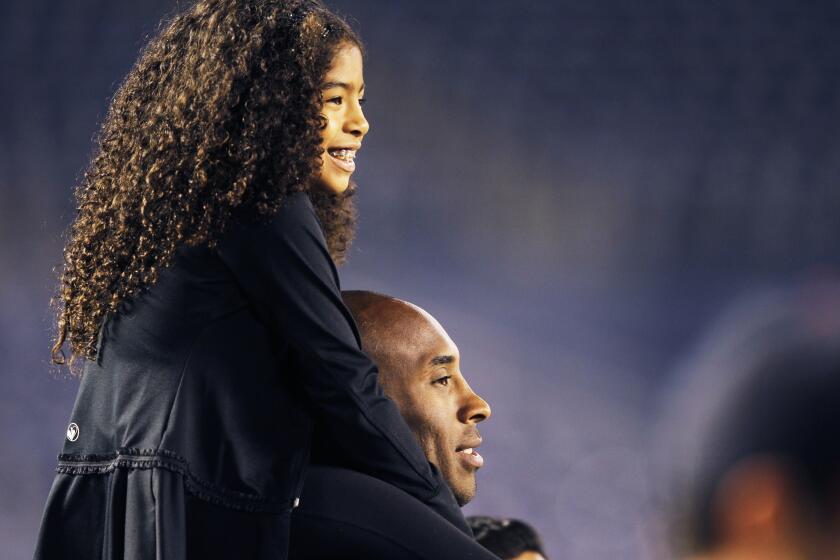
(191, 432)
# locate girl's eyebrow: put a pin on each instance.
(342, 85)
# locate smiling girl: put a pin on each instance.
(199, 299)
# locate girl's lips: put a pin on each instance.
(347, 165)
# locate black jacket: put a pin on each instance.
(191, 432)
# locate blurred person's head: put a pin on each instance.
(233, 106)
(419, 368)
(509, 539)
(754, 436)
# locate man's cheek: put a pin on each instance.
(424, 436)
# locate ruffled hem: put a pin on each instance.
(146, 506)
(135, 458)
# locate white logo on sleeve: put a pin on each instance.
(73, 431)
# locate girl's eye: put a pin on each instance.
(444, 381)
(336, 100)
(362, 101)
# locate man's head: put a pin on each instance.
(419, 368)
(509, 539)
(755, 467)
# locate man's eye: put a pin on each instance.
(443, 380)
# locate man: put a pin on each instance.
(419, 369)
(753, 464)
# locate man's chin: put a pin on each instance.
(464, 495)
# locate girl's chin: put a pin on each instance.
(338, 189)
(333, 187)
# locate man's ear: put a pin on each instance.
(755, 504)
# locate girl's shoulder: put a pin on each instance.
(295, 214)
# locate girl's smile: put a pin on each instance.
(345, 123)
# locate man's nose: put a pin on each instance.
(475, 409)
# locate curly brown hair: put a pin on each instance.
(218, 120)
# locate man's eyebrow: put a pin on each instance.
(441, 360)
(344, 85)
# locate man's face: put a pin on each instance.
(438, 404)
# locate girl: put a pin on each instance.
(199, 297)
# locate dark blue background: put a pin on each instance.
(574, 189)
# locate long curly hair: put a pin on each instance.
(217, 120)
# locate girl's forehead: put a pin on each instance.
(347, 61)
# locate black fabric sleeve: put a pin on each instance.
(285, 270)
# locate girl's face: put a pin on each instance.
(343, 96)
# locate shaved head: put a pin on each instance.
(394, 332)
(419, 369)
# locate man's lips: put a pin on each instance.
(469, 456)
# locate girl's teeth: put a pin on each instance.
(344, 154)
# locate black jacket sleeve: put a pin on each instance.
(286, 272)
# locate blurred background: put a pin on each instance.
(574, 189)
